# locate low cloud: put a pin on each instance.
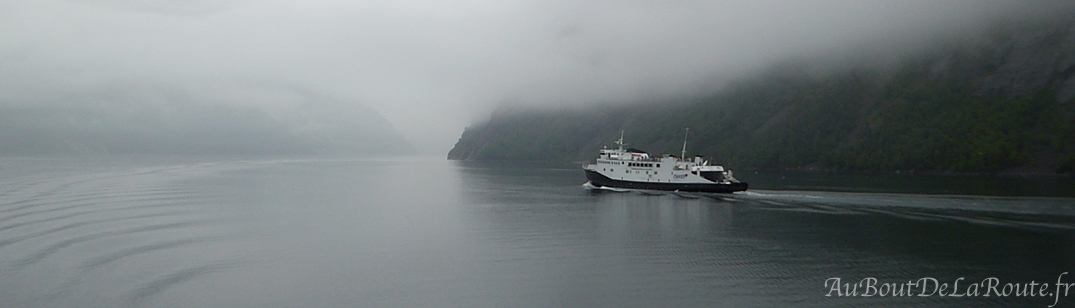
(429, 67)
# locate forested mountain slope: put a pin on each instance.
(1002, 102)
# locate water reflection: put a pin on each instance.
(768, 248)
(392, 233)
(626, 215)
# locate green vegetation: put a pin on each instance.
(933, 113)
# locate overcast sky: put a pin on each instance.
(429, 67)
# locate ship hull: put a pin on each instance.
(598, 179)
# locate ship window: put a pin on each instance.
(658, 165)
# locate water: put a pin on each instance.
(174, 232)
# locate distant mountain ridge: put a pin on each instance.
(1003, 103)
(195, 129)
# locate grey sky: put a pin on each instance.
(429, 67)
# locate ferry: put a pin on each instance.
(630, 168)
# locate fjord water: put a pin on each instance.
(431, 233)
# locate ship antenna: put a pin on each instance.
(684, 153)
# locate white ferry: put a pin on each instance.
(635, 169)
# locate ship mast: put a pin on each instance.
(620, 142)
(683, 154)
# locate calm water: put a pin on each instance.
(431, 233)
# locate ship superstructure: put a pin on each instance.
(634, 169)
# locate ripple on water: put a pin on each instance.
(140, 229)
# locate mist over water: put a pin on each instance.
(426, 232)
(264, 78)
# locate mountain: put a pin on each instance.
(185, 128)
(1000, 102)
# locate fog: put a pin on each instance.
(430, 68)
